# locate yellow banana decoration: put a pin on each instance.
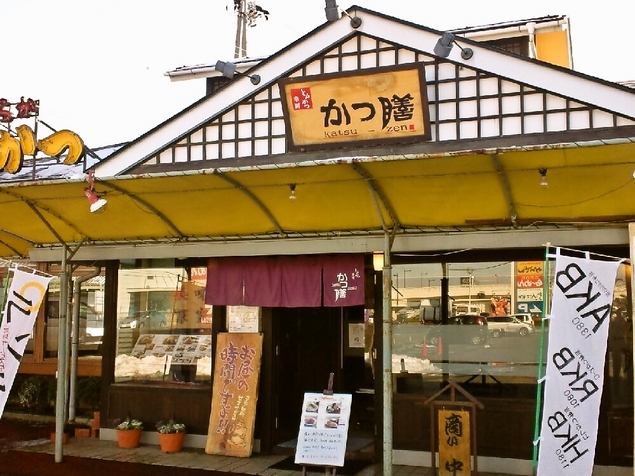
(60, 141)
(11, 156)
(27, 139)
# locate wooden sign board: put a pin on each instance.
(323, 429)
(234, 395)
(454, 442)
(362, 107)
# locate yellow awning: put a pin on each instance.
(588, 184)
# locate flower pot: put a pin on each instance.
(171, 442)
(128, 438)
(65, 437)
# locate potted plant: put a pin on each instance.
(128, 432)
(171, 435)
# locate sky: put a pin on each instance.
(98, 67)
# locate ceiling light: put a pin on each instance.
(378, 260)
(292, 194)
(544, 183)
(445, 44)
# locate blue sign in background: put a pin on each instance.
(531, 307)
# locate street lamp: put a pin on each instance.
(404, 277)
(469, 297)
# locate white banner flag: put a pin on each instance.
(578, 332)
(18, 316)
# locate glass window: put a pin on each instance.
(90, 313)
(493, 340)
(163, 325)
(467, 348)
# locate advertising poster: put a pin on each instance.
(528, 286)
(234, 395)
(454, 442)
(323, 429)
(578, 332)
(243, 318)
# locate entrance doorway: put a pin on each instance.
(307, 349)
(308, 345)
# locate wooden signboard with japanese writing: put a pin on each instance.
(234, 395)
(361, 107)
(454, 442)
(323, 429)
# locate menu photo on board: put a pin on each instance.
(323, 429)
(183, 348)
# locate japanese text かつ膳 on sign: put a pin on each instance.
(235, 393)
(454, 442)
(374, 106)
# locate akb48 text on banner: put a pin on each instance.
(578, 332)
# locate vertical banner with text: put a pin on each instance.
(578, 332)
(18, 316)
(234, 394)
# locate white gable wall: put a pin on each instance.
(491, 95)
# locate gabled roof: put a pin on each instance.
(415, 43)
(513, 24)
(220, 171)
(49, 168)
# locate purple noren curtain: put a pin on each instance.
(286, 281)
(302, 281)
(343, 277)
(263, 281)
(224, 285)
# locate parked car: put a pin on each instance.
(508, 325)
(407, 315)
(148, 319)
(463, 329)
(525, 317)
(91, 327)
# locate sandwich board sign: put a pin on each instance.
(323, 429)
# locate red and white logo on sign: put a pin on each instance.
(301, 98)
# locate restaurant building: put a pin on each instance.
(261, 207)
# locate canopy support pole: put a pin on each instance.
(62, 355)
(61, 361)
(77, 294)
(631, 246)
(387, 357)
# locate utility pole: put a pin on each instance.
(247, 12)
(241, 28)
